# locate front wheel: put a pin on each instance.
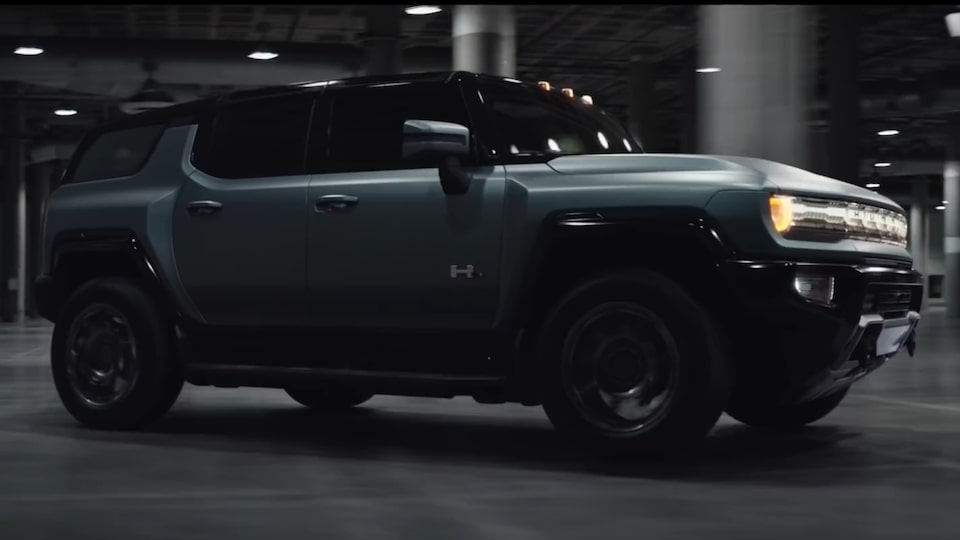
(784, 416)
(630, 363)
(111, 358)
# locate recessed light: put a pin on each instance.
(888, 132)
(873, 185)
(262, 55)
(28, 51)
(882, 164)
(422, 10)
(708, 70)
(941, 208)
(65, 112)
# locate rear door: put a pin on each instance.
(239, 227)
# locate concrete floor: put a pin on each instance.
(246, 464)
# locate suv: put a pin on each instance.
(462, 235)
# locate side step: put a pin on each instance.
(379, 382)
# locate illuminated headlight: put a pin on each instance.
(818, 288)
(804, 218)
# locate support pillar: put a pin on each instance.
(919, 239)
(689, 105)
(756, 105)
(484, 39)
(40, 178)
(843, 65)
(13, 213)
(642, 86)
(383, 40)
(951, 224)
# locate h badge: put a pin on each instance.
(467, 271)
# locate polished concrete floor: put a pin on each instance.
(245, 464)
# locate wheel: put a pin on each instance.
(783, 416)
(630, 363)
(328, 396)
(112, 361)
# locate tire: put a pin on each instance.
(329, 397)
(780, 416)
(664, 332)
(113, 322)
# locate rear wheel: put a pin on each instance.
(630, 363)
(769, 414)
(328, 396)
(112, 361)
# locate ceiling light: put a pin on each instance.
(888, 132)
(28, 51)
(944, 203)
(422, 10)
(873, 185)
(882, 164)
(65, 112)
(262, 55)
(708, 70)
(941, 208)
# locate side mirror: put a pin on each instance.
(430, 138)
(424, 139)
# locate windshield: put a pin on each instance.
(532, 122)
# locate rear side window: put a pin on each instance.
(256, 139)
(116, 154)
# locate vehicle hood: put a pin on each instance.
(766, 174)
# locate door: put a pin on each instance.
(386, 247)
(239, 228)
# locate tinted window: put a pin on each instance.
(366, 125)
(530, 122)
(116, 154)
(256, 139)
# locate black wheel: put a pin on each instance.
(769, 414)
(328, 396)
(630, 363)
(112, 360)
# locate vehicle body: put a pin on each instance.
(426, 235)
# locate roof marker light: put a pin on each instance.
(544, 85)
(587, 99)
(567, 92)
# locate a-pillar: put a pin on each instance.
(484, 39)
(642, 86)
(951, 224)
(919, 239)
(13, 212)
(756, 105)
(843, 65)
(383, 40)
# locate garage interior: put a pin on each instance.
(866, 94)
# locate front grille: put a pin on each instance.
(892, 300)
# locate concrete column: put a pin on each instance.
(13, 213)
(642, 103)
(40, 178)
(756, 105)
(919, 208)
(843, 66)
(484, 39)
(688, 103)
(951, 224)
(382, 40)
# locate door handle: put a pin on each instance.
(203, 208)
(335, 203)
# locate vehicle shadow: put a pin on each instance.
(732, 453)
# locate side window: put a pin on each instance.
(366, 125)
(116, 154)
(256, 139)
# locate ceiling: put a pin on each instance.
(907, 76)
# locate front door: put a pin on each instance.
(239, 230)
(386, 247)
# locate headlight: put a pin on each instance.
(805, 218)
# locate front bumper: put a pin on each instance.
(801, 350)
